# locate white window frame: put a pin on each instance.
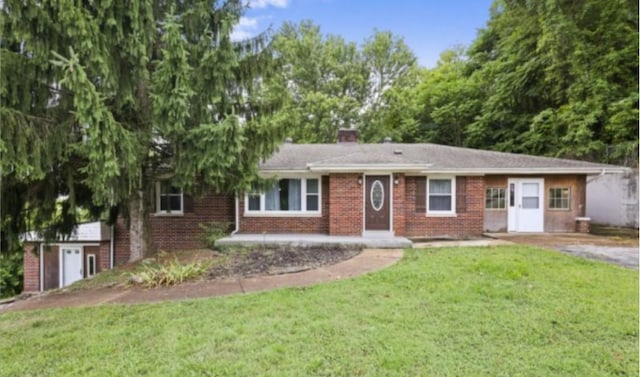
(303, 204)
(452, 212)
(167, 213)
(505, 197)
(551, 197)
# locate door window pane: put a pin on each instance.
(530, 203)
(530, 195)
(377, 195)
(529, 189)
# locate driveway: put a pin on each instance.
(617, 250)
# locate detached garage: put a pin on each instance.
(58, 264)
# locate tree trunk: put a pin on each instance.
(138, 229)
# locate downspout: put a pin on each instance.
(111, 246)
(41, 259)
(237, 227)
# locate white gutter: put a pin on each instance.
(237, 227)
(111, 247)
(528, 171)
(358, 168)
(41, 257)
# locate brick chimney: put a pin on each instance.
(347, 135)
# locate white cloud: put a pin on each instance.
(246, 28)
(257, 4)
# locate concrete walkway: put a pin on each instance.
(367, 261)
(377, 240)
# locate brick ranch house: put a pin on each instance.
(348, 189)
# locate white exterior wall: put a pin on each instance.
(94, 231)
(612, 199)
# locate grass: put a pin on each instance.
(504, 311)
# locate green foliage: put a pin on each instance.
(450, 100)
(99, 99)
(11, 271)
(555, 78)
(213, 231)
(390, 65)
(503, 311)
(153, 274)
(328, 83)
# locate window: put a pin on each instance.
(559, 198)
(91, 265)
(440, 195)
(287, 195)
(168, 198)
(495, 198)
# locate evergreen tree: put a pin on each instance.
(98, 99)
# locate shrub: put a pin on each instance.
(213, 231)
(11, 270)
(156, 275)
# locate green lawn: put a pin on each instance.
(504, 311)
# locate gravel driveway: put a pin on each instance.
(617, 250)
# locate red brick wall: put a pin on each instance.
(104, 254)
(463, 225)
(345, 204)
(31, 282)
(400, 206)
(174, 232)
(293, 224)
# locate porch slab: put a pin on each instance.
(308, 240)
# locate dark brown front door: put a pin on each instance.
(376, 202)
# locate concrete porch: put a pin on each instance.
(306, 240)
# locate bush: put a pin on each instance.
(213, 231)
(157, 275)
(11, 270)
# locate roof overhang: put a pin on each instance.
(96, 231)
(424, 170)
(529, 171)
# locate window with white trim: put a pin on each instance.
(495, 198)
(559, 198)
(441, 198)
(169, 199)
(297, 195)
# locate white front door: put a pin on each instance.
(526, 205)
(71, 263)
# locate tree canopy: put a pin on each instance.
(99, 99)
(557, 78)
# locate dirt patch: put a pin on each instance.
(554, 240)
(278, 260)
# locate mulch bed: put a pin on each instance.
(278, 260)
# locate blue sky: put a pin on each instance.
(427, 26)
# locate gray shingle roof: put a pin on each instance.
(417, 158)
